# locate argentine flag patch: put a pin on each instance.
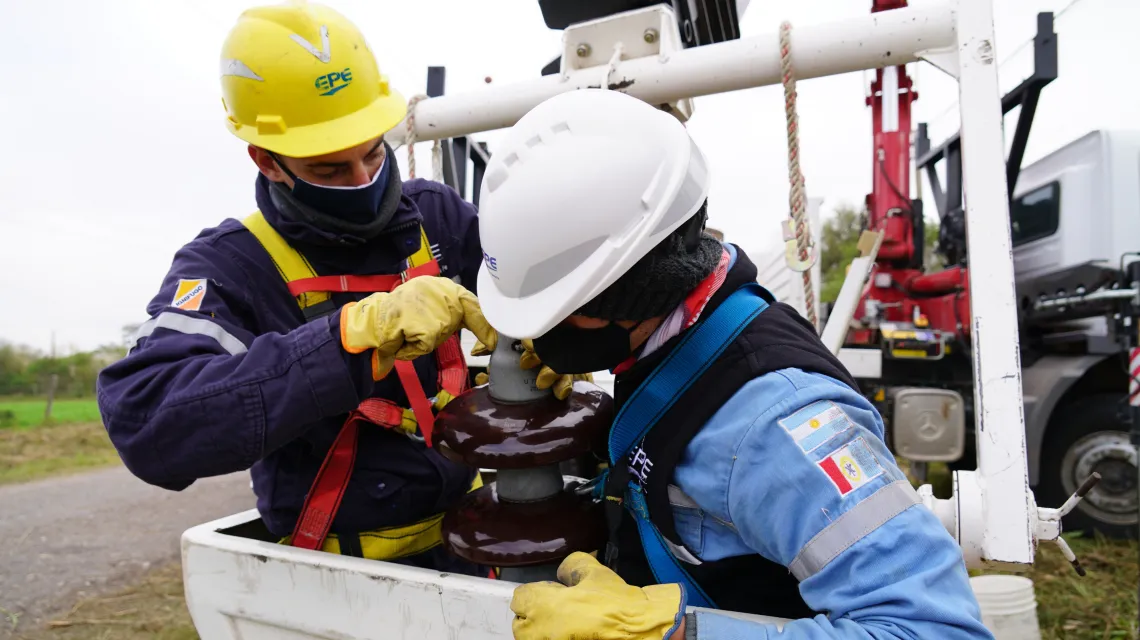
(815, 424)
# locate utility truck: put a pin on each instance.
(1075, 219)
(1074, 226)
(240, 583)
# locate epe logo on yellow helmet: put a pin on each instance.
(332, 82)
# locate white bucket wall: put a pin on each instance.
(238, 588)
(1009, 606)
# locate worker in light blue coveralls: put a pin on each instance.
(747, 473)
(290, 339)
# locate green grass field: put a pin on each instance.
(29, 412)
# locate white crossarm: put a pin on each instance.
(867, 42)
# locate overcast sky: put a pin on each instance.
(115, 152)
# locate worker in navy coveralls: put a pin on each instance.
(291, 336)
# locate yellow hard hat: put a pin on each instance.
(298, 79)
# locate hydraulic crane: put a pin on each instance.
(900, 291)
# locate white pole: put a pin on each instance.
(867, 42)
(999, 418)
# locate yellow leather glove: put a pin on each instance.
(590, 601)
(563, 384)
(411, 321)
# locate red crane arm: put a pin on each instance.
(888, 204)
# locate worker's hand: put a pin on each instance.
(590, 601)
(409, 425)
(411, 321)
(562, 384)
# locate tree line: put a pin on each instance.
(25, 371)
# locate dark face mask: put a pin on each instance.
(568, 349)
(354, 204)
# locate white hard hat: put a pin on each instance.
(584, 186)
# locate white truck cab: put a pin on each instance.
(1079, 204)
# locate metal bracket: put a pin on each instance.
(641, 33)
(945, 60)
(961, 515)
(1048, 525)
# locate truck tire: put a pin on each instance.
(1086, 435)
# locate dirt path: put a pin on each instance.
(76, 536)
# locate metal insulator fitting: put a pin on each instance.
(583, 50)
(650, 35)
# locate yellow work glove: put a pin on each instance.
(593, 602)
(411, 321)
(563, 384)
(409, 424)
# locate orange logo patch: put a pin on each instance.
(189, 294)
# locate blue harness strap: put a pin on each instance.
(655, 396)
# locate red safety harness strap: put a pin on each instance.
(328, 487)
(341, 284)
(327, 491)
(421, 406)
(360, 284)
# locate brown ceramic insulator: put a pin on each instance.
(487, 531)
(479, 431)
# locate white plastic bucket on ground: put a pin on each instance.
(1009, 606)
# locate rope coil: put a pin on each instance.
(798, 195)
(410, 141)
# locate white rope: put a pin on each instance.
(798, 195)
(410, 140)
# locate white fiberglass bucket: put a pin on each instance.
(242, 586)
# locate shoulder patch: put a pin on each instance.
(189, 294)
(815, 424)
(851, 467)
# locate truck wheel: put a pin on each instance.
(1087, 435)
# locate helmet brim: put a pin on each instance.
(520, 318)
(359, 127)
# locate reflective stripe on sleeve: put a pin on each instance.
(853, 526)
(190, 326)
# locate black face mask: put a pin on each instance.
(567, 349)
(359, 205)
